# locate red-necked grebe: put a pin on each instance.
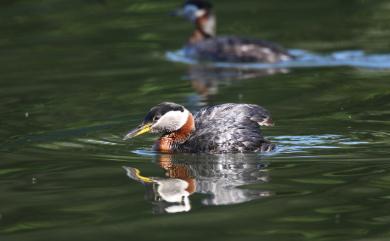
(225, 128)
(205, 46)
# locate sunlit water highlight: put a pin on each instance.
(303, 59)
(284, 144)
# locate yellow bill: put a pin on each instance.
(141, 129)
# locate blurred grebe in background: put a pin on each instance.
(204, 45)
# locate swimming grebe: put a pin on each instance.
(225, 128)
(204, 45)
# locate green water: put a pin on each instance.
(76, 75)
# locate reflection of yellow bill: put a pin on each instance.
(135, 174)
(144, 179)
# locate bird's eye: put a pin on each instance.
(156, 118)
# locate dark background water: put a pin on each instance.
(76, 75)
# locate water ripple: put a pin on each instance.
(304, 59)
(292, 144)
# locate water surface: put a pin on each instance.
(76, 75)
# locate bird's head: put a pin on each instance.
(166, 117)
(193, 9)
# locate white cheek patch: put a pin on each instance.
(172, 121)
(200, 13)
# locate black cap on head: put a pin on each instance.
(159, 110)
(201, 4)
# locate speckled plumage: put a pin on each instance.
(228, 128)
(225, 128)
(235, 49)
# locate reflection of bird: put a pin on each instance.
(170, 190)
(217, 129)
(204, 45)
(218, 177)
(206, 79)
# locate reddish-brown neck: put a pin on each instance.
(199, 33)
(167, 142)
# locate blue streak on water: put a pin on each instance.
(304, 59)
(144, 152)
(294, 144)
